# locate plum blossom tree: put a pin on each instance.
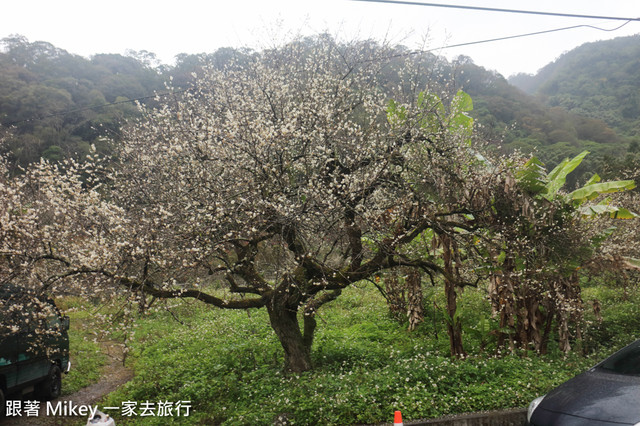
(47, 220)
(282, 178)
(276, 182)
(289, 179)
(52, 232)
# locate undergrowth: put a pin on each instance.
(228, 364)
(85, 353)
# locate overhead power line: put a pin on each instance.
(494, 9)
(469, 43)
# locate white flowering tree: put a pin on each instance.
(288, 178)
(279, 180)
(52, 241)
(274, 183)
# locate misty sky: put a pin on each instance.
(166, 28)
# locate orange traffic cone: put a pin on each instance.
(397, 418)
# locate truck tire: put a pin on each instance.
(51, 387)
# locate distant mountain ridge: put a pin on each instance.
(598, 80)
(61, 105)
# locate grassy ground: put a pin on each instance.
(87, 358)
(228, 364)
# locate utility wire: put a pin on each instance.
(62, 113)
(494, 9)
(525, 35)
(469, 43)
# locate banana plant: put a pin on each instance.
(533, 177)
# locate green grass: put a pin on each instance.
(86, 363)
(85, 353)
(620, 318)
(228, 364)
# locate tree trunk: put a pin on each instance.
(297, 348)
(563, 332)
(415, 309)
(501, 292)
(547, 332)
(396, 300)
(454, 327)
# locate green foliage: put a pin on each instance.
(532, 176)
(87, 362)
(596, 80)
(605, 208)
(590, 192)
(40, 81)
(459, 119)
(539, 125)
(86, 355)
(558, 176)
(396, 114)
(228, 364)
(55, 100)
(620, 311)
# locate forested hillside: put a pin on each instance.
(56, 104)
(59, 104)
(53, 99)
(600, 80)
(515, 120)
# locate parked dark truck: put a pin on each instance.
(34, 344)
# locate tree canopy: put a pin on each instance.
(273, 183)
(58, 104)
(281, 177)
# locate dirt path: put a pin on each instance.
(114, 375)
